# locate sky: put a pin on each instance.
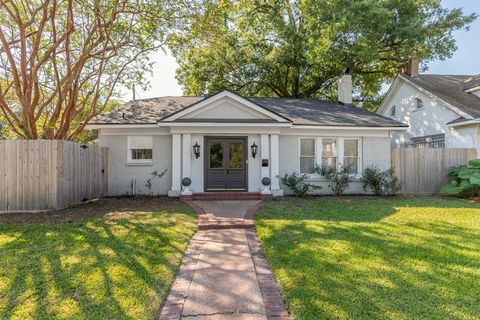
(464, 61)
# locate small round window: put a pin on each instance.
(418, 103)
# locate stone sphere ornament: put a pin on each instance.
(186, 182)
(266, 181)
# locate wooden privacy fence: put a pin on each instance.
(424, 170)
(50, 174)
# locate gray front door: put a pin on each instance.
(225, 164)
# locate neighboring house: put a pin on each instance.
(442, 111)
(226, 142)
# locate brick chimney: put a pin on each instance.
(345, 89)
(411, 68)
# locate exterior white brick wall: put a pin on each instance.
(121, 175)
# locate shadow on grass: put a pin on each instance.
(375, 259)
(117, 266)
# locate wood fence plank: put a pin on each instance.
(11, 175)
(3, 177)
(43, 181)
(62, 174)
(21, 155)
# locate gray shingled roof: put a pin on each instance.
(298, 111)
(324, 113)
(451, 88)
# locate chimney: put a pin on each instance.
(345, 89)
(411, 67)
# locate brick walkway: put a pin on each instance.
(224, 274)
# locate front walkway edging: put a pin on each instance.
(173, 307)
(272, 298)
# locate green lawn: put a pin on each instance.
(375, 259)
(114, 259)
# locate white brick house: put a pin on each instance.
(226, 142)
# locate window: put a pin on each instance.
(141, 154)
(393, 111)
(350, 155)
(307, 155)
(329, 153)
(433, 141)
(140, 149)
(418, 103)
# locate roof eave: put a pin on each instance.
(466, 122)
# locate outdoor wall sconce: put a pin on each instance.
(196, 150)
(254, 149)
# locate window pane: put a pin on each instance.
(351, 148)
(352, 164)
(307, 147)
(141, 154)
(235, 156)
(329, 162)
(216, 155)
(307, 164)
(329, 148)
(419, 103)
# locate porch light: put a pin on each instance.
(254, 149)
(196, 150)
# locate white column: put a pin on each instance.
(176, 162)
(264, 154)
(274, 163)
(186, 155)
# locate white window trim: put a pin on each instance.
(314, 153)
(138, 162)
(340, 155)
(359, 157)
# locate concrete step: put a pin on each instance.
(218, 196)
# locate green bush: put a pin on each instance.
(381, 182)
(464, 180)
(339, 178)
(298, 185)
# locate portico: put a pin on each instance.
(225, 127)
(225, 161)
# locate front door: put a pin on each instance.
(225, 164)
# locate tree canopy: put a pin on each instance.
(61, 60)
(300, 48)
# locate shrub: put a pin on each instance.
(155, 175)
(298, 185)
(381, 182)
(339, 178)
(464, 180)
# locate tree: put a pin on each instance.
(61, 60)
(300, 48)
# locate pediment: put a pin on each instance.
(225, 106)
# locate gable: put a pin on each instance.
(225, 106)
(404, 83)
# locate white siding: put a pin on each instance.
(429, 120)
